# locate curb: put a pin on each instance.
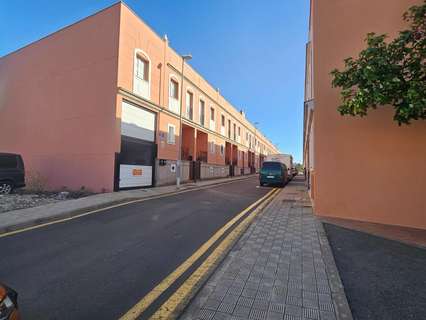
(340, 301)
(5, 230)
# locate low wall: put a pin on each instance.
(165, 176)
(212, 171)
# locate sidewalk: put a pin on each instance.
(18, 219)
(282, 268)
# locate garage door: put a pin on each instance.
(137, 122)
(138, 149)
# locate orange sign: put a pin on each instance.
(137, 172)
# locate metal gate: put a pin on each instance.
(136, 160)
(195, 170)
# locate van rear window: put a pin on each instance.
(271, 165)
(8, 162)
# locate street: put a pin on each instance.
(100, 265)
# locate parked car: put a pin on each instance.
(273, 173)
(8, 304)
(12, 172)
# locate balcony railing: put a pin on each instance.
(141, 88)
(174, 105)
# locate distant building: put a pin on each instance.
(369, 168)
(97, 103)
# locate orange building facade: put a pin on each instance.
(367, 169)
(97, 104)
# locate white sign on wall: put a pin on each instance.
(135, 176)
(172, 167)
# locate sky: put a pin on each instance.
(252, 50)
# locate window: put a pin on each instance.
(246, 136)
(174, 89)
(222, 149)
(8, 162)
(174, 96)
(171, 129)
(212, 121)
(189, 104)
(212, 147)
(142, 67)
(229, 129)
(222, 127)
(141, 74)
(202, 112)
(235, 131)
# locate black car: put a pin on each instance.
(12, 172)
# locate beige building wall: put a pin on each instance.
(367, 168)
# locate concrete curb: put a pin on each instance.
(6, 227)
(340, 301)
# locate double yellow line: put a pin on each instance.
(178, 300)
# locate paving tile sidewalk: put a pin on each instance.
(16, 219)
(282, 268)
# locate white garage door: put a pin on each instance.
(137, 123)
(135, 176)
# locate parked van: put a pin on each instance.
(12, 172)
(273, 173)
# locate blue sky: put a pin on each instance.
(254, 51)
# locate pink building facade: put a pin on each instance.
(96, 104)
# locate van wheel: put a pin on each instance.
(6, 187)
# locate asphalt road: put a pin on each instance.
(383, 279)
(99, 266)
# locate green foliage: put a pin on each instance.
(391, 73)
(299, 167)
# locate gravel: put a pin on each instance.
(23, 199)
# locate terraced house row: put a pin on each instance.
(97, 104)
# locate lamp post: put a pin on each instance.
(178, 163)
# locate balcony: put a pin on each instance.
(141, 88)
(174, 105)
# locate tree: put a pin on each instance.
(299, 167)
(391, 73)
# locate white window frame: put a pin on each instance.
(199, 111)
(143, 54)
(212, 123)
(172, 107)
(212, 147)
(171, 140)
(191, 91)
(222, 126)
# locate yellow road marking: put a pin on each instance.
(146, 301)
(178, 300)
(10, 233)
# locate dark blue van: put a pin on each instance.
(273, 173)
